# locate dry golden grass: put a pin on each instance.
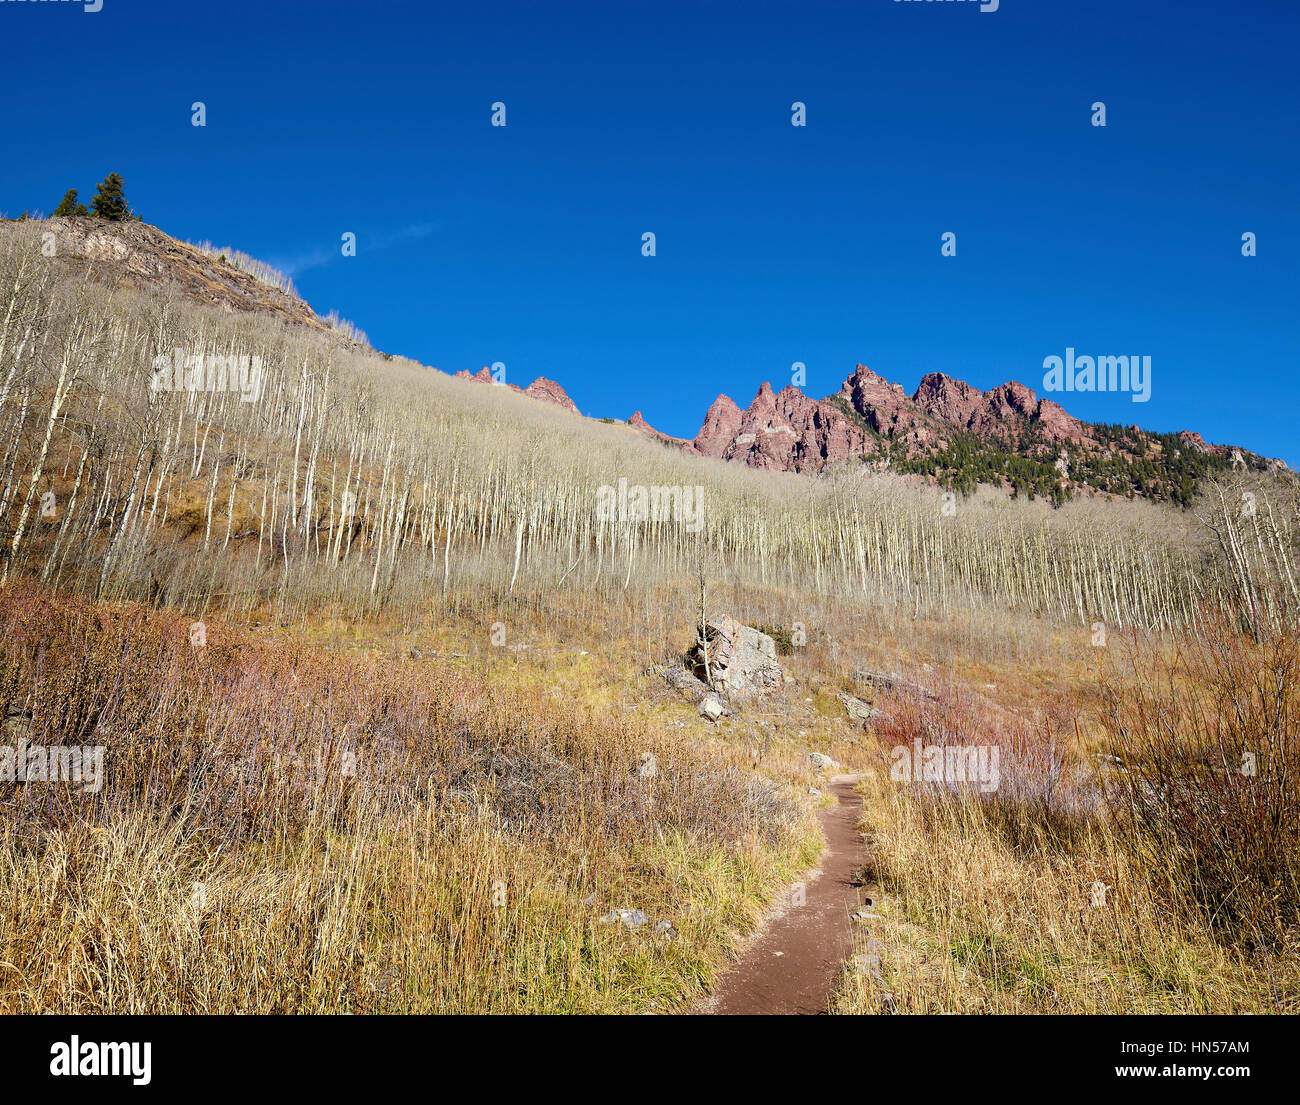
(987, 903)
(231, 863)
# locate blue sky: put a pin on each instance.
(775, 244)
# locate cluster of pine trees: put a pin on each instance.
(1173, 471)
(968, 461)
(109, 202)
(1133, 467)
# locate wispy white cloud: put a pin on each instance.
(294, 266)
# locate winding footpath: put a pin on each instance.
(792, 964)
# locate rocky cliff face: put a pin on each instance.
(790, 431)
(548, 391)
(139, 255)
(951, 431)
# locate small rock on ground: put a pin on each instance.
(633, 918)
(857, 709)
(711, 707)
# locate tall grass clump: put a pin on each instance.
(281, 829)
(1206, 786)
(1125, 862)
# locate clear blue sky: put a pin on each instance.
(775, 244)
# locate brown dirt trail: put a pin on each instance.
(792, 963)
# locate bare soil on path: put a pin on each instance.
(792, 963)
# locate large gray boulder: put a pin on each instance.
(736, 659)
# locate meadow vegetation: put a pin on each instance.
(1140, 855)
(406, 771)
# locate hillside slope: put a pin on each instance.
(353, 480)
(392, 714)
(946, 432)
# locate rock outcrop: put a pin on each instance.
(548, 391)
(893, 683)
(872, 419)
(639, 423)
(736, 660)
(791, 432)
(720, 429)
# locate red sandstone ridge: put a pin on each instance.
(1195, 441)
(870, 417)
(639, 423)
(987, 412)
(884, 405)
(949, 399)
(790, 431)
(721, 425)
(548, 391)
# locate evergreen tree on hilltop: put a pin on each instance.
(69, 205)
(110, 199)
